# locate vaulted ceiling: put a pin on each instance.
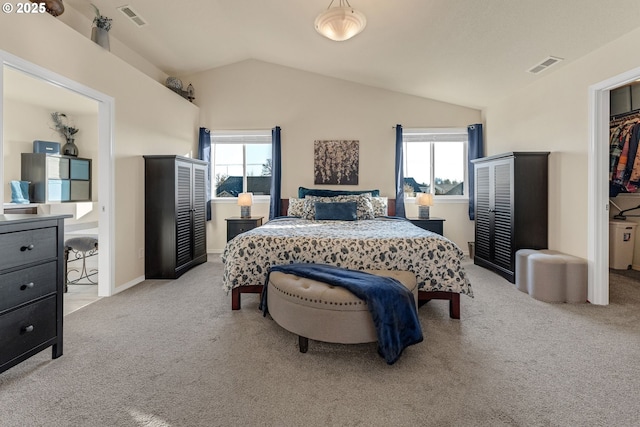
(467, 52)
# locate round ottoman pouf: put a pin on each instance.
(522, 261)
(576, 279)
(321, 312)
(546, 277)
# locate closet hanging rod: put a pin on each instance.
(623, 115)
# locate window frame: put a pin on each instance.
(244, 138)
(440, 135)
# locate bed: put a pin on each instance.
(379, 242)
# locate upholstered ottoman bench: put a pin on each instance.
(318, 311)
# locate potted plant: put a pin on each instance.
(61, 124)
(100, 30)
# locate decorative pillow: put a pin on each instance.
(337, 211)
(296, 207)
(380, 206)
(319, 192)
(363, 204)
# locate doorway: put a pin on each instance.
(105, 115)
(598, 184)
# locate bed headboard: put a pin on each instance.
(391, 207)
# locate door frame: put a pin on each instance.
(598, 184)
(106, 115)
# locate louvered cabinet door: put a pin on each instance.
(503, 215)
(199, 210)
(184, 239)
(482, 212)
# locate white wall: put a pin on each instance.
(82, 25)
(23, 124)
(552, 115)
(259, 95)
(149, 118)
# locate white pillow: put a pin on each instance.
(296, 207)
(380, 206)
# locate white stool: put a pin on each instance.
(79, 249)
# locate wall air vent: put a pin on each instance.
(132, 15)
(546, 63)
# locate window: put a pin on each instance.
(241, 162)
(435, 161)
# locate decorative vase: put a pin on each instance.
(101, 37)
(174, 83)
(70, 148)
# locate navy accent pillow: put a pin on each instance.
(302, 192)
(337, 211)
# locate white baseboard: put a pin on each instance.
(128, 285)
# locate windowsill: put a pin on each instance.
(234, 200)
(438, 201)
(267, 199)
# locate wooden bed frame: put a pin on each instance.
(423, 296)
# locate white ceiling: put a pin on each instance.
(467, 52)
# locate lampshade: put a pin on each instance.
(245, 199)
(341, 22)
(424, 199)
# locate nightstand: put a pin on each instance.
(237, 225)
(431, 224)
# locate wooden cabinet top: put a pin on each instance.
(173, 157)
(511, 154)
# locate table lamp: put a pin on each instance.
(424, 200)
(245, 200)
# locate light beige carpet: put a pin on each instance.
(173, 353)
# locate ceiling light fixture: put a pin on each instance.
(341, 22)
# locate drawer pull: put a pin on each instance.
(27, 329)
(29, 285)
(26, 248)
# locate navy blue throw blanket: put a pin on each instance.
(392, 306)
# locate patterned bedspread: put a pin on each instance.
(378, 244)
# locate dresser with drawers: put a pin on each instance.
(31, 286)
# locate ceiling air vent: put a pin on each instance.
(133, 15)
(548, 62)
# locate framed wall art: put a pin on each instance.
(336, 162)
